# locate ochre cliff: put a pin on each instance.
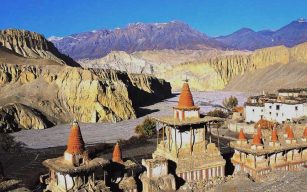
(219, 72)
(32, 45)
(18, 116)
(208, 69)
(61, 94)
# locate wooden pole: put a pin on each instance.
(176, 142)
(104, 176)
(65, 182)
(218, 137)
(169, 138)
(255, 161)
(163, 133)
(157, 133)
(191, 140)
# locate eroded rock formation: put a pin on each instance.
(66, 93)
(244, 71)
(32, 45)
(18, 116)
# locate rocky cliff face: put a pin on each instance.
(226, 71)
(32, 45)
(215, 69)
(17, 116)
(38, 97)
(273, 68)
(121, 61)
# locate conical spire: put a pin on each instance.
(117, 154)
(242, 135)
(287, 129)
(305, 133)
(256, 140)
(274, 137)
(75, 144)
(290, 133)
(185, 98)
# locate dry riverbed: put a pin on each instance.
(112, 132)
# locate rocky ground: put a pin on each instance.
(277, 181)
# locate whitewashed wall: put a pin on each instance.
(187, 114)
(271, 112)
(183, 138)
(253, 113)
(284, 113)
(61, 181)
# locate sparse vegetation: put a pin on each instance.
(8, 144)
(147, 128)
(133, 140)
(230, 103)
(217, 113)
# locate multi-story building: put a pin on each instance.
(285, 106)
(183, 141)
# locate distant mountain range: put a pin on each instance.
(173, 35)
(289, 35)
(135, 37)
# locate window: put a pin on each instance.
(253, 110)
(277, 107)
(296, 108)
(276, 114)
(270, 107)
(270, 113)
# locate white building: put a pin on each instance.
(281, 108)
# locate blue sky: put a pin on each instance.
(213, 17)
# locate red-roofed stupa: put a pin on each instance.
(117, 154)
(75, 144)
(75, 153)
(186, 108)
(256, 140)
(290, 133)
(242, 135)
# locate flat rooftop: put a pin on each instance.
(267, 149)
(170, 120)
